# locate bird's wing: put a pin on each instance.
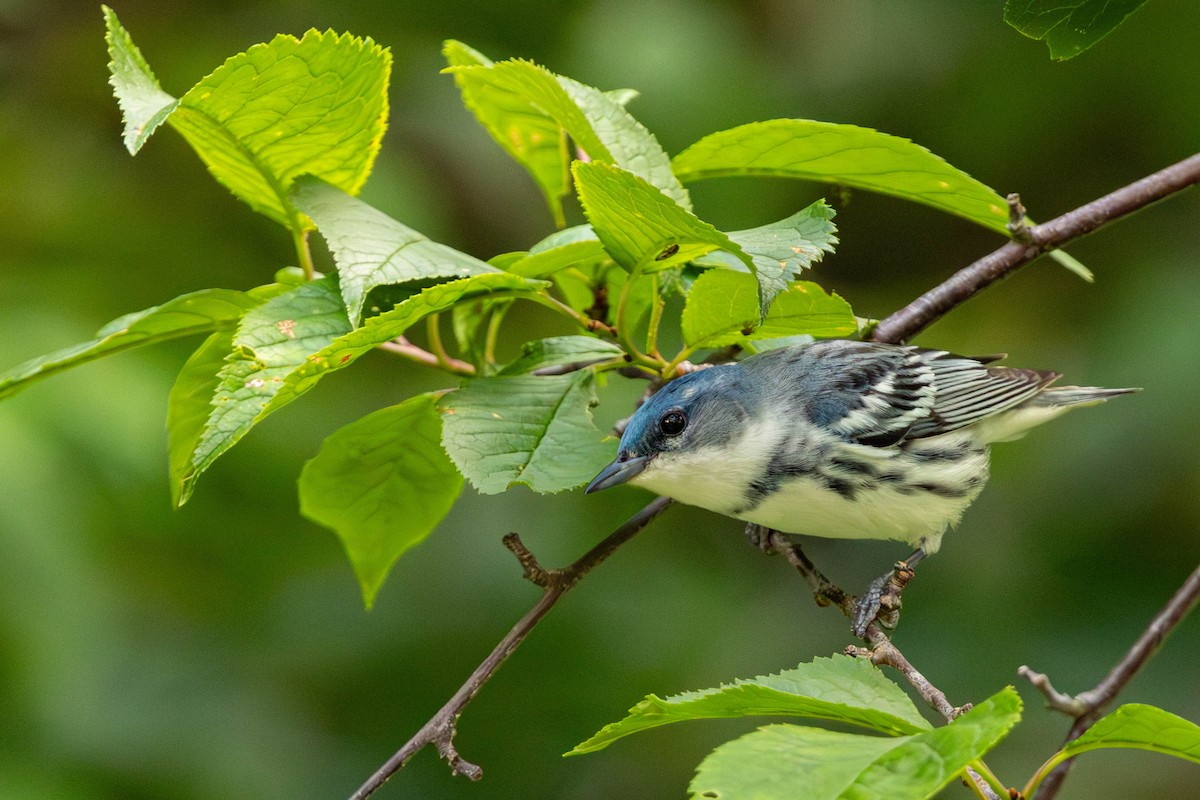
(965, 391)
(881, 394)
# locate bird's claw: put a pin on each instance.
(881, 602)
(760, 537)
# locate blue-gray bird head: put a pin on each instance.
(693, 417)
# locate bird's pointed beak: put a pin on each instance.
(619, 471)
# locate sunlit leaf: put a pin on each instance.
(1068, 26)
(780, 250)
(571, 247)
(382, 483)
(525, 429)
(1143, 727)
(371, 249)
(722, 308)
(783, 762)
(596, 122)
(187, 315)
(189, 406)
(344, 350)
(533, 139)
(846, 155)
(839, 688)
(926, 763)
(640, 227)
(315, 105)
(271, 342)
(144, 104)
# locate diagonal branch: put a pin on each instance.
(1086, 707)
(439, 731)
(966, 283)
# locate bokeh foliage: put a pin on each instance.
(221, 648)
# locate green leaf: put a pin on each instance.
(188, 407)
(1143, 727)
(272, 341)
(781, 249)
(926, 763)
(534, 140)
(640, 227)
(840, 688)
(561, 350)
(344, 350)
(788, 761)
(144, 104)
(596, 121)
(846, 155)
(315, 105)
(577, 246)
(1068, 26)
(526, 429)
(722, 308)
(382, 483)
(372, 249)
(186, 315)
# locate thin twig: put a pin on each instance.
(966, 283)
(1086, 706)
(440, 729)
(880, 649)
(401, 346)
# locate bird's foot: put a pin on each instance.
(882, 601)
(760, 536)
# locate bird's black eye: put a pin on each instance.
(672, 423)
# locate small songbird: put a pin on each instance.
(844, 439)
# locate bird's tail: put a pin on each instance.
(1042, 407)
(1059, 396)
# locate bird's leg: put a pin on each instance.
(881, 601)
(770, 541)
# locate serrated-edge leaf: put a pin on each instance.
(525, 429)
(722, 309)
(144, 105)
(382, 484)
(640, 226)
(843, 154)
(272, 341)
(258, 122)
(187, 315)
(839, 688)
(1143, 727)
(786, 762)
(850, 155)
(188, 409)
(596, 121)
(923, 765)
(371, 249)
(533, 139)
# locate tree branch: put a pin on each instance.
(441, 728)
(1086, 707)
(966, 283)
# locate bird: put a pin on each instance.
(838, 438)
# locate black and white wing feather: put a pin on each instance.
(884, 394)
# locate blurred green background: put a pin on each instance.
(222, 651)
